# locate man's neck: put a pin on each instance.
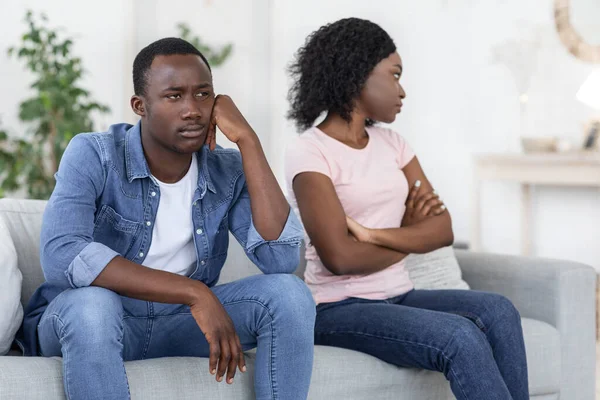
(165, 165)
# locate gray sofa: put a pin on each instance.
(556, 300)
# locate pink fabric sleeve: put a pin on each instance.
(405, 152)
(304, 156)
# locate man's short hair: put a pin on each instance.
(162, 47)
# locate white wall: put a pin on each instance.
(460, 102)
(245, 75)
(99, 29)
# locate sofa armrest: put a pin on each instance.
(560, 293)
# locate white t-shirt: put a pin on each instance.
(172, 248)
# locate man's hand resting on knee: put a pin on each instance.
(225, 348)
(139, 282)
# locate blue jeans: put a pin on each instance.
(96, 330)
(474, 338)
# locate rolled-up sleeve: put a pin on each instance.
(281, 255)
(68, 253)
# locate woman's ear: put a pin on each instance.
(137, 105)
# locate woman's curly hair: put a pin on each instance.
(330, 70)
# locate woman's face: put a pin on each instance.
(381, 97)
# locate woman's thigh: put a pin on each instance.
(482, 308)
(401, 335)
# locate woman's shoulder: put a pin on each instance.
(308, 141)
(388, 135)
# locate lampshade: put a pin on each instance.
(589, 92)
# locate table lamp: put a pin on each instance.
(589, 94)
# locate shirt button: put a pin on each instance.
(202, 262)
(194, 203)
(148, 223)
(141, 254)
(153, 194)
(199, 231)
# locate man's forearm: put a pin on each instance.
(269, 207)
(139, 282)
(428, 235)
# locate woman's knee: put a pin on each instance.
(503, 311)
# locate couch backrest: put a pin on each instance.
(24, 221)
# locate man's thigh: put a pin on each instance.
(249, 303)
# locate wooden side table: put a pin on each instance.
(556, 169)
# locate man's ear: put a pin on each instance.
(137, 105)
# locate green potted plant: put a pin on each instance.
(215, 57)
(58, 110)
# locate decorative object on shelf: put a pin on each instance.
(570, 36)
(519, 56)
(589, 94)
(539, 144)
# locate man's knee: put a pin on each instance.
(291, 290)
(289, 298)
(91, 312)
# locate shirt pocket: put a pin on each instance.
(114, 231)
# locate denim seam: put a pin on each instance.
(458, 382)
(382, 337)
(476, 319)
(228, 197)
(114, 168)
(400, 341)
(149, 326)
(122, 351)
(65, 354)
(103, 159)
(272, 367)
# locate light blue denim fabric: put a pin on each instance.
(105, 204)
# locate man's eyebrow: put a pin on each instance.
(181, 88)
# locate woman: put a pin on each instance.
(351, 181)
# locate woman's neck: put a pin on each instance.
(351, 133)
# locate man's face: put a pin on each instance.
(178, 103)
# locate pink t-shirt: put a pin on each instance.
(372, 189)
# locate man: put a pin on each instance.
(135, 235)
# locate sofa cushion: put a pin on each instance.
(438, 269)
(24, 221)
(337, 374)
(11, 310)
(542, 345)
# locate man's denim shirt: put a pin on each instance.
(105, 203)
